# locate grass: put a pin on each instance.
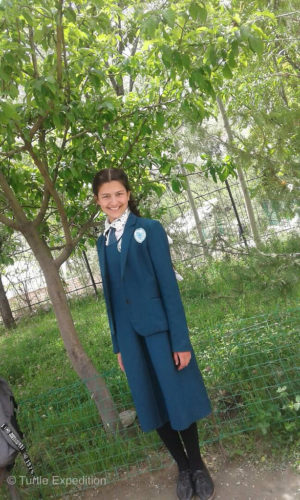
(244, 320)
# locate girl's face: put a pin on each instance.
(113, 199)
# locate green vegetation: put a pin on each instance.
(216, 294)
(163, 90)
(244, 321)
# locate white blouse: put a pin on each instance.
(118, 224)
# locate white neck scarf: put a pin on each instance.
(118, 224)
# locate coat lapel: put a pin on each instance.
(126, 237)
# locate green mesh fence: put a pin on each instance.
(252, 378)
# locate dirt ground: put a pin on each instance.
(233, 481)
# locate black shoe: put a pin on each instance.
(203, 484)
(184, 485)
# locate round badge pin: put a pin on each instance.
(139, 234)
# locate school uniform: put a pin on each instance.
(147, 323)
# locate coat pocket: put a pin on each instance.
(150, 317)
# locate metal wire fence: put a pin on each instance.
(252, 379)
(26, 286)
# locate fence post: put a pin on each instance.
(236, 213)
(247, 199)
(90, 272)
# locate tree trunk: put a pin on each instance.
(241, 177)
(79, 359)
(5, 309)
(196, 216)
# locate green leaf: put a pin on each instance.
(58, 121)
(198, 12)
(245, 32)
(9, 111)
(70, 14)
(186, 60)
(108, 105)
(177, 59)
(231, 60)
(258, 31)
(212, 55)
(199, 79)
(235, 48)
(197, 76)
(169, 17)
(160, 120)
(149, 26)
(194, 10)
(166, 55)
(27, 17)
(158, 188)
(227, 71)
(190, 167)
(203, 14)
(256, 44)
(265, 13)
(176, 186)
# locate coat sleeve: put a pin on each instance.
(110, 320)
(161, 259)
(116, 349)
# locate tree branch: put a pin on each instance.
(9, 222)
(8, 154)
(61, 151)
(46, 194)
(49, 185)
(120, 43)
(14, 204)
(130, 147)
(289, 13)
(69, 248)
(42, 212)
(33, 54)
(68, 88)
(39, 123)
(59, 42)
(133, 51)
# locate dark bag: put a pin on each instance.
(10, 433)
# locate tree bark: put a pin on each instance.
(79, 359)
(242, 181)
(5, 309)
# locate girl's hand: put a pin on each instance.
(182, 359)
(120, 362)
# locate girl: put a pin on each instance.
(149, 331)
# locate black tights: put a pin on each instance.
(189, 459)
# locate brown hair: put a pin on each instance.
(115, 174)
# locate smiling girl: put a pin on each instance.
(149, 330)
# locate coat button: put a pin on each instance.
(127, 301)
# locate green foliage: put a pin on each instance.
(8, 245)
(106, 86)
(245, 349)
(265, 105)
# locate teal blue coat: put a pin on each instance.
(149, 284)
(149, 324)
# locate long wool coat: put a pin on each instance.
(151, 301)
